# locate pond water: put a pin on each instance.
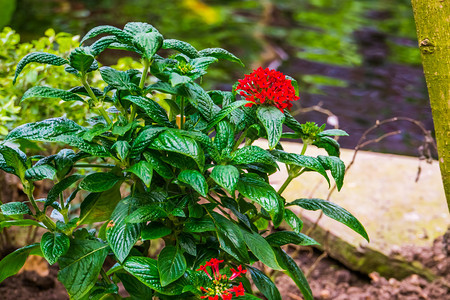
(357, 59)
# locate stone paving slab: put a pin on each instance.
(380, 190)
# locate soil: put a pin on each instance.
(328, 279)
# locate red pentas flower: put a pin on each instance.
(221, 285)
(267, 87)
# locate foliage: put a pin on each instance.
(186, 157)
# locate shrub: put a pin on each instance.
(195, 179)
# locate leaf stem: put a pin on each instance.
(285, 184)
(105, 276)
(96, 101)
(305, 145)
(147, 64)
(239, 141)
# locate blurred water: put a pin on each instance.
(357, 59)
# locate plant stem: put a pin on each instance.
(239, 141)
(105, 276)
(182, 113)
(40, 215)
(285, 184)
(144, 73)
(305, 145)
(96, 101)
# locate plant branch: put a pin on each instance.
(96, 101)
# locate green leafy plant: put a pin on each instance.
(180, 168)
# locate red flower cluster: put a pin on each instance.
(267, 87)
(221, 284)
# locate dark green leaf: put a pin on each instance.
(144, 138)
(155, 230)
(188, 243)
(122, 236)
(22, 222)
(109, 30)
(13, 262)
(134, 287)
(138, 27)
(177, 79)
(58, 188)
(196, 180)
(143, 170)
(146, 213)
(180, 46)
(224, 138)
(97, 207)
(333, 211)
(289, 237)
(301, 161)
(40, 172)
(158, 165)
(337, 167)
(122, 149)
(13, 161)
(148, 43)
(253, 154)
(265, 195)
(80, 266)
(261, 249)
(225, 111)
(40, 57)
(230, 237)
(226, 176)
(53, 245)
(333, 132)
(292, 269)
(292, 123)
(117, 79)
(101, 44)
(99, 182)
(272, 119)
(330, 145)
(152, 109)
(81, 59)
(199, 225)
(264, 284)
(145, 269)
(199, 99)
(293, 221)
(171, 265)
(14, 208)
(220, 54)
(48, 92)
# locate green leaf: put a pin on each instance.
(22, 222)
(187, 243)
(133, 28)
(155, 230)
(171, 140)
(196, 180)
(146, 213)
(158, 165)
(301, 161)
(272, 119)
(225, 111)
(144, 138)
(40, 172)
(224, 138)
(330, 145)
(117, 79)
(205, 141)
(152, 109)
(81, 59)
(122, 236)
(145, 269)
(48, 92)
(333, 132)
(143, 170)
(337, 167)
(101, 44)
(39, 57)
(134, 287)
(281, 238)
(265, 195)
(180, 46)
(81, 265)
(171, 265)
(53, 245)
(333, 211)
(253, 154)
(230, 237)
(57, 189)
(220, 54)
(122, 149)
(199, 99)
(294, 84)
(177, 79)
(264, 284)
(292, 269)
(149, 43)
(99, 182)
(261, 249)
(292, 123)
(13, 262)
(14, 208)
(97, 207)
(199, 225)
(13, 161)
(293, 221)
(226, 176)
(123, 36)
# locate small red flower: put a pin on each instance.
(239, 290)
(267, 87)
(237, 273)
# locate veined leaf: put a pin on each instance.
(265, 195)
(226, 176)
(14, 208)
(144, 139)
(53, 245)
(180, 46)
(333, 211)
(122, 149)
(264, 284)
(293, 221)
(155, 230)
(101, 44)
(199, 99)
(122, 36)
(80, 266)
(13, 262)
(330, 145)
(122, 236)
(272, 119)
(143, 170)
(158, 165)
(196, 180)
(13, 161)
(97, 207)
(253, 154)
(292, 123)
(224, 138)
(81, 59)
(261, 249)
(333, 132)
(48, 92)
(133, 28)
(205, 141)
(281, 238)
(40, 57)
(99, 182)
(58, 188)
(148, 42)
(134, 287)
(220, 54)
(225, 111)
(117, 79)
(146, 213)
(152, 109)
(337, 167)
(199, 225)
(171, 265)
(40, 172)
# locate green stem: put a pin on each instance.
(147, 64)
(105, 276)
(40, 215)
(182, 113)
(239, 141)
(305, 145)
(285, 184)
(96, 101)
